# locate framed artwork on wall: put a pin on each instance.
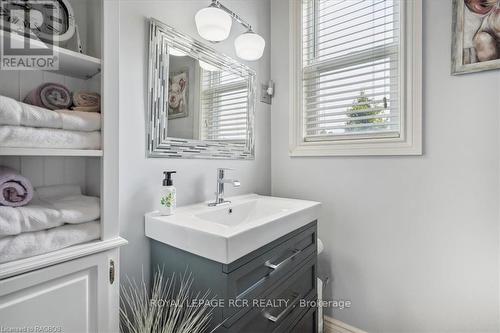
(476, 36)
(178, 87)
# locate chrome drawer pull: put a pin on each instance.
(284, 262)
(284, 312)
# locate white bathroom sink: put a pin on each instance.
(226, 233)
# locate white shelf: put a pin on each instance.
(16, 267)
(48, 152)
(71, 63)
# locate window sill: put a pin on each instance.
(371, 148)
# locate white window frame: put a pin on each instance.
(409, 142)
(221, 88)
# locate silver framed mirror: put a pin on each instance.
(201, 103)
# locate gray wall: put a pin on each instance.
(140, 178)
(412, 241)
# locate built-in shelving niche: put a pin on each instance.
(46, 167)
(70, 63)
(58, 170)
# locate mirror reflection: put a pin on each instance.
(201, 103)
(206, 102)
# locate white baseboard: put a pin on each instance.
(336, 326)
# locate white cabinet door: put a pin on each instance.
(75, 296)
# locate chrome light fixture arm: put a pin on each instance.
(214, 24)
(236, 17)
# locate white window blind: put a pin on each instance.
(224, 106)
(350, 69)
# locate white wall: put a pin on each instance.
(90, 34)
(412, 241)
(140, 177)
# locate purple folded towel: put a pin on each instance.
(51, 96)
(15, 190)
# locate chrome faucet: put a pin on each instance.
(219, 195)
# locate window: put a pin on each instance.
(355, 77)
(224, 106)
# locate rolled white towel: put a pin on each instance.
(29, 137)
(15, 113)
(34, 243)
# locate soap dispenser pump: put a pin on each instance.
(168, 195)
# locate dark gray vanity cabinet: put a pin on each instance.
(268, 290)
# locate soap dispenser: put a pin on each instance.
(167, 200)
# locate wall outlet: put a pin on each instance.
(264, 96)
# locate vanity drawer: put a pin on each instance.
(254, 278)
(300, 285)
(308, 323)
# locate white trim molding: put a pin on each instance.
(336, 326)
(20, 266)
(409, 140)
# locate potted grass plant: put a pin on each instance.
(166, 308)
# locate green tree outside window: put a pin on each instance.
(363, 103)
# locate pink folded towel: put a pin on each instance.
(51, 96)
(15, 190)
(86, 101)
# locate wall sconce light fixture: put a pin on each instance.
(214, 24)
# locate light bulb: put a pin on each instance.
(213, 24)
(249, 46)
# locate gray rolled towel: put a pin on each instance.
(53, 96)
(15, 190)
